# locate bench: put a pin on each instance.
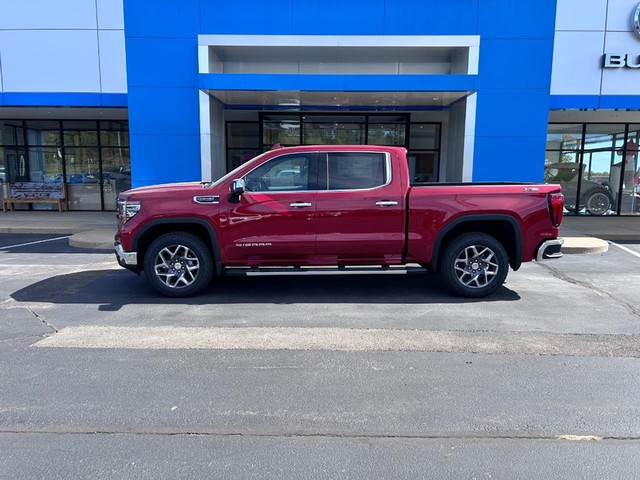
(35, 192)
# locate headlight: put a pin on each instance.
(128, 208)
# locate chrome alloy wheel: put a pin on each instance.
(476, 266)
(177, 266)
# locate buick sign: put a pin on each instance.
(635, 21)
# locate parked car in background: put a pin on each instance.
(595, 197)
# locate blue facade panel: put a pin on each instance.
(273, 17)
(515, 63)
(167, 159)
(516, 48)
(163, 111)
(508, 159)
(338, 17)
(163, 62)
(165, 19)
(512, 113)
(510, 19)
(431, 17)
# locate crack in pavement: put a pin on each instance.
(30, 310)
(632, 308)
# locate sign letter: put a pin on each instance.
(612, 60)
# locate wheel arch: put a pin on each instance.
(505, 228)
(195, 226)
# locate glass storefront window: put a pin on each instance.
(43, 133)
(598, 171)
(284, 130)
(45, 164)
(628, 168)
(94, 176)
(12, 132)
(424, 136)
(116, 174)
(83, 178)
(243, 135)
(564, 136)
(243, 142)
(80, 134)
(114, 139)
(327, 133)
(600, 136)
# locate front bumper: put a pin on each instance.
(128, 260)
(550, 250)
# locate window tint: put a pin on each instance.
(287, 173)
(356, 170)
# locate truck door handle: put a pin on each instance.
(300, 204)
(386, 203)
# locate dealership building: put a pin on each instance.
(102, 95)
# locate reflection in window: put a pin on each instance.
(349, 171)
(287, 173)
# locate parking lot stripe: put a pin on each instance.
(33, 243)
(345, 339)
(628, 250)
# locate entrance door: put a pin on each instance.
(361, 212)
(274, 221)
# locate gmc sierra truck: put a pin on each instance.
(334, 209)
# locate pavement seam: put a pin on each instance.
(337, 436)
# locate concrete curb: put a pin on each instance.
(96, 239)
(584, 245)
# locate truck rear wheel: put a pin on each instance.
(474, 265)
(178, 264)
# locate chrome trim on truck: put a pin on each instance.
(551, 249)
(128, 258)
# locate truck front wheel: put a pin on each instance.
(474, 265)
(178, 264)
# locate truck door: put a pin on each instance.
(274, 220)
(360, 211)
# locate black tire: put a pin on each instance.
(474, 265)
(178, 264)
(598, 202)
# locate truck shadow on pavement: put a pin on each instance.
(112, 289)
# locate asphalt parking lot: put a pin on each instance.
(316, 377)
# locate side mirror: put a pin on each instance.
(236, 189)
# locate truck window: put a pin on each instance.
(356, 170)
(286, 173)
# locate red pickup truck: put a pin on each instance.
(304, 209)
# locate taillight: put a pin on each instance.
(556, 207)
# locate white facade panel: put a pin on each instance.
(581, 15)
(113, 70)
(577, 63)
(110, 14)
(619, 15)
(50, 61)
(38, 14)
(622, 81)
